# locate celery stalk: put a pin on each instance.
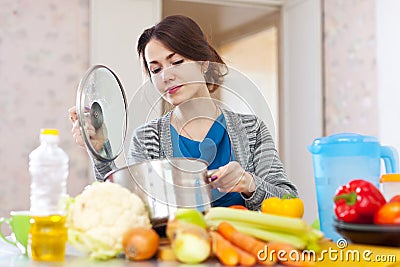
(315, 235)
(267, 227)
(260, 220)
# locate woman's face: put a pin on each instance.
(177, 78)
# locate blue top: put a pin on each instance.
(216, 149)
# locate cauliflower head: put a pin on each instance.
(98, 218)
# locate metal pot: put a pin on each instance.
(167, 184)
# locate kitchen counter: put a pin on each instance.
(373, 256)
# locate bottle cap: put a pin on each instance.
(49, 131)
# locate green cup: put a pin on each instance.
(20, 225)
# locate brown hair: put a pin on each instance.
(184, 36)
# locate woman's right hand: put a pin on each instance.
(76, 133)
(97, 137)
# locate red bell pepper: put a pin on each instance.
(358, 201)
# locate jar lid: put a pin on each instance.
(390, 177)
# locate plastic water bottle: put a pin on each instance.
(48, 167)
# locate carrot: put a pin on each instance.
(253, 246)
(226, 229)
(289, 255)
(245, 258)
(224, 250)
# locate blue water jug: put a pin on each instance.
(340, 158)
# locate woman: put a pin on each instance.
(185, 69)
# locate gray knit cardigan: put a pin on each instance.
(252, 144)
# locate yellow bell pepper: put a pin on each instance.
(288, 206)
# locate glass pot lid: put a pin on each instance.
(102, 113)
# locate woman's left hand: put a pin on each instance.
(233, 178)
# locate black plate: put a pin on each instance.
(372, 234)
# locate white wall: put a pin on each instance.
(115, 29)
(260, 65)
(388, 60)
(302, 94)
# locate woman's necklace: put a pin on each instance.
(181, 127)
